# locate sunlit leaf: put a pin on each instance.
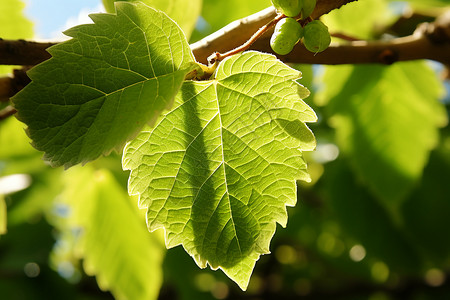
(102, 86)
(218, 171)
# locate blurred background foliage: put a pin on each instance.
(373, 224)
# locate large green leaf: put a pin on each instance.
(102, 86)
(185, 13)
(218, 171)
(111, 237)
(387, 121)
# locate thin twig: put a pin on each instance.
(238, 32)
(344, 37)
(23, 53)
(7, 112)
(219, 56)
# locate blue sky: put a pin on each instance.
(52, 16)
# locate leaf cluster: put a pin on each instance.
(217, 158)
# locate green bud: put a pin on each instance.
(308, 8)
(290, 8)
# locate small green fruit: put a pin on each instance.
(308, 8)
(290, 8)
(287, 33)
(316, 37)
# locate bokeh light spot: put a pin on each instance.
(32, 270)
(357, 253)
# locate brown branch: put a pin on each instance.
(343, 36)
(5, 89)
(430, 41)
(9, 86)
(220, 56)
(238, 32)
(7, 112)
(413, 47)
(23, 53)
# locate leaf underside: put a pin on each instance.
(102, 86)
(218, 171)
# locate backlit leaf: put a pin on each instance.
(103, 85)
(218, 171)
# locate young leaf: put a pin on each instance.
(110, 236)
(102, 86)
(218, 171)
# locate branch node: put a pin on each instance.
(388, 57)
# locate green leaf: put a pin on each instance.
(101, 87)
(218, 171)
(387, 121)
(185, 13)
(112, 240)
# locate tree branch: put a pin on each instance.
(7, 112)
(429, 41)
(9, 86)
(23, 53)
(417, 46)
(238, 32)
